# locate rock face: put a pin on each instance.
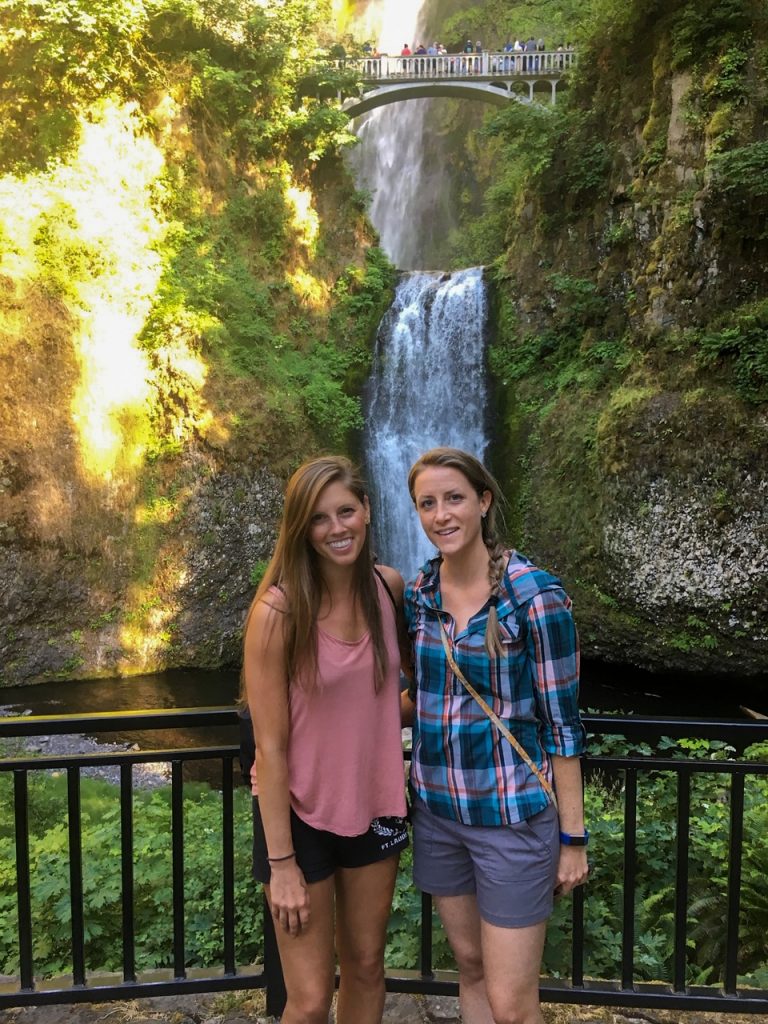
(68, 614)
(632, 377)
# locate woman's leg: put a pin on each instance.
(498, 967)
(512, 963)
(461, 921)
(363, 904)
(308, 960)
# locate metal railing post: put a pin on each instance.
(23, 894)
(76, 875)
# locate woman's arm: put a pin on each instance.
(553, 647)
(266, 684)
(572, 868)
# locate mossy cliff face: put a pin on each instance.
(188, 288)
(631, 360)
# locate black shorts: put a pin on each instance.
(320, 853)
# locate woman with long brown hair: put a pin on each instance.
(498, 824)
(321, 671)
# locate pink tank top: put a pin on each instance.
(345, 754)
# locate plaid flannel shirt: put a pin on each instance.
(462, 767)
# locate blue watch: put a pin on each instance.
(568, 840)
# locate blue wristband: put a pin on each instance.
(568, 840)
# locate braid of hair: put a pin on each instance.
(496, 564)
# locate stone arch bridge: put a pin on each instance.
(497, 78)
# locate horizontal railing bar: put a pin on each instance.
(653, 764)
(647, 996)
(728, 729)
(118, 757)
(98, 760)
(248, 978)
(116, 721)
(642, 995)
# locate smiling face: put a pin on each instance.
(450, 510)
(338, 524)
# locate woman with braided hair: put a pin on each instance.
(498, 825)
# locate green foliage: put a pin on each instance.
(63, 257)
(570, 350)
(701, 30)
(740, 342)
(495, 21)
(219, 289)
(49, 864)
(318, 379)
(58, 55)
(559, 152)
(362, 295)
(742, 173)
(257, 572)
(656, 867)
(319, 129)
(404, 936)
(242, 64)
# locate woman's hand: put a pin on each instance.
(289, 897)
(572, 869)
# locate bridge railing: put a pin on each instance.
(520, 64)
(29, 874)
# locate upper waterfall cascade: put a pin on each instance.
(427, 388)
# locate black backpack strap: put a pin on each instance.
(386, 587)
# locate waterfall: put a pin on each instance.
(389, 164)
(427, 388)
(428, 381)
(399, 161)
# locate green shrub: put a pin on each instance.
(743, 172)
(741, 343)
(49, 870)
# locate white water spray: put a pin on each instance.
(427, 388)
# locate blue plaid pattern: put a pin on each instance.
(462, 767)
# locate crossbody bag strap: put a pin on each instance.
(493, 716)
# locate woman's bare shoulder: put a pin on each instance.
(268, 611)
(393, 580)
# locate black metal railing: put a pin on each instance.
(623, 990)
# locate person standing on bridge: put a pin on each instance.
(405, 63)
(508, 49)
(498, 826)
(321, 668)
(466, 62)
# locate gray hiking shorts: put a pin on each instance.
(512, 869)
